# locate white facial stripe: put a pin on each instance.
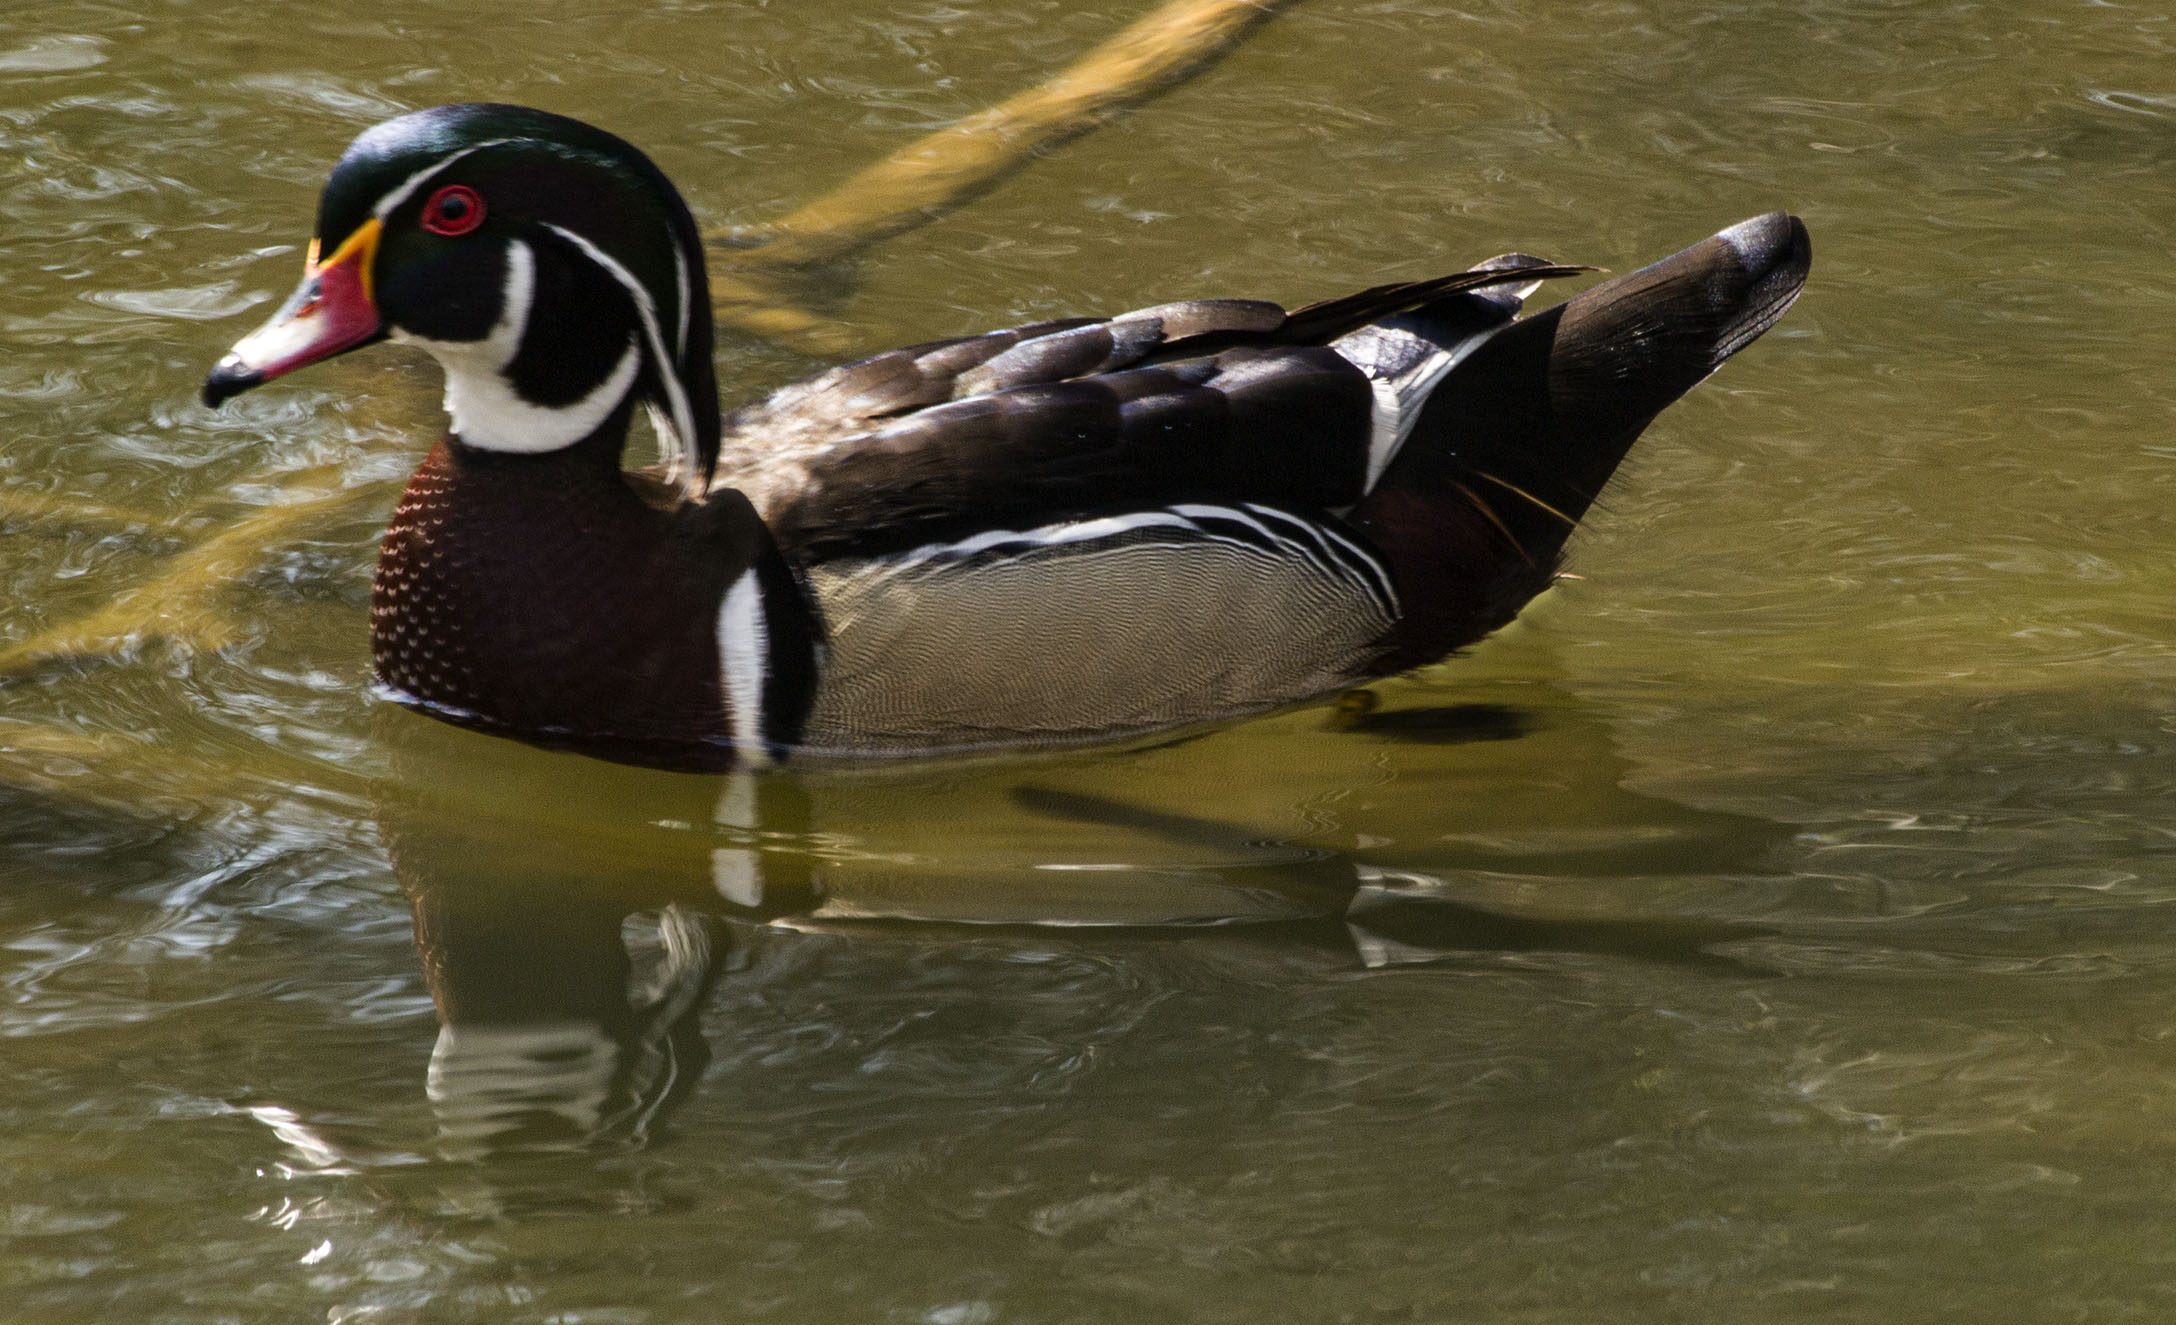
(401, 192)
(661, 424)
(744, 648)
(683, 276)
(680, 451)
(487, 414)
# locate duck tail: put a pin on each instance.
(1516, 440)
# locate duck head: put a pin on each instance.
(548, 266)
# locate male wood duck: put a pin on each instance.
(1077, 530)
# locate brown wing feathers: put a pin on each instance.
(1222, 399)
(1247, 425)
(849, 398)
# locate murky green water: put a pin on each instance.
(1772, 923)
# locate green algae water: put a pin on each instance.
(1769, 924)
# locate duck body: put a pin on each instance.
(1073, 531)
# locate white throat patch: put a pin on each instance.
(487, 414)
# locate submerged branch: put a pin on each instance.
(176, 606)
(953, 165)
(946, 169)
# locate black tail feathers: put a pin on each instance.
(1537, 420)
(1520, 438)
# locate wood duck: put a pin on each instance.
(1072, 531)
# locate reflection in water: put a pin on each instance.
(572, 917)
(566, 986)
(553, 1034)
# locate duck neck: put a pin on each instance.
(577, 340)
(545, 597)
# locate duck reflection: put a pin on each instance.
(561, 1025)
(572, 917)
(567, 936)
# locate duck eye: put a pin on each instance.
(454, 210)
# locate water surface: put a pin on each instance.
(1771, 922)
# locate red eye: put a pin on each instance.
(454, 210)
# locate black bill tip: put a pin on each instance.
(231, 378)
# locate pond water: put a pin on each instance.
(1772, 921)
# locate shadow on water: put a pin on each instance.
(1388, 916)
(574, 918)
